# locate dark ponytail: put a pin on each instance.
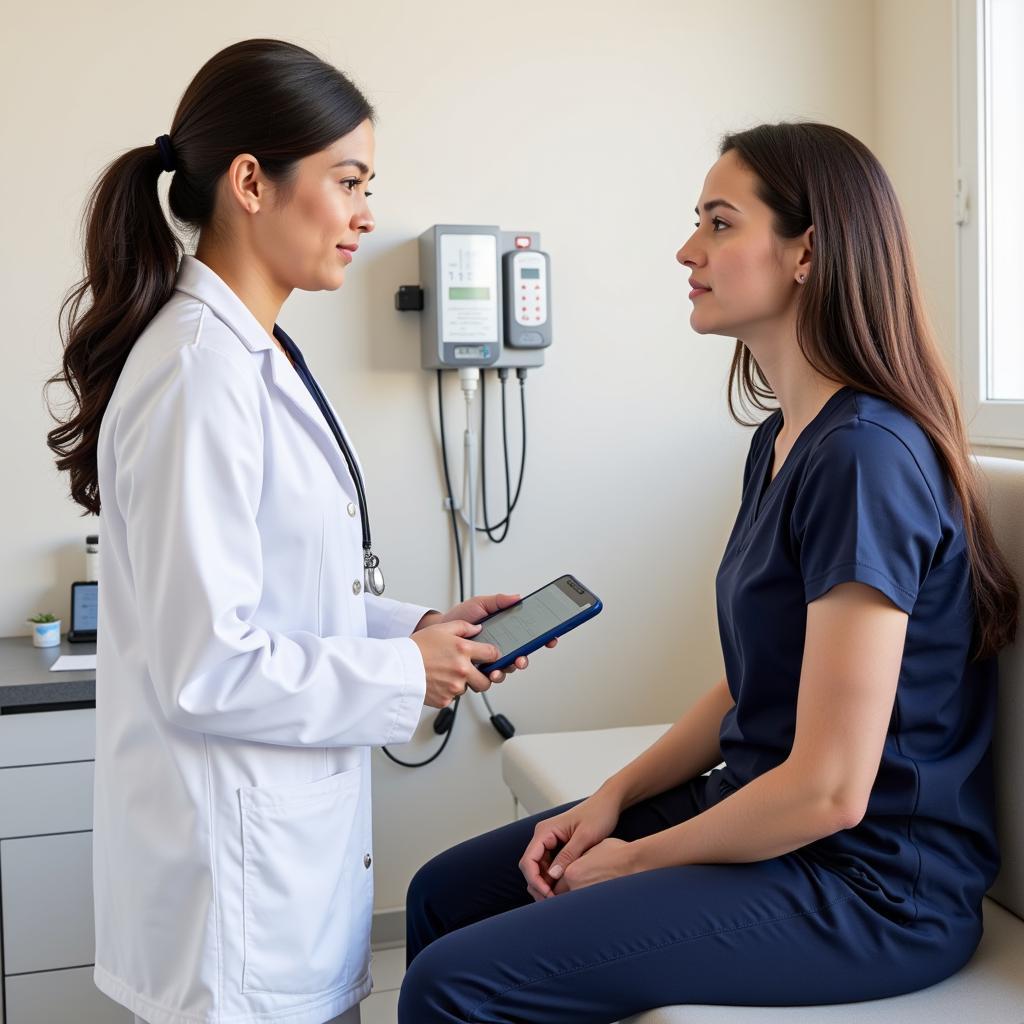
(131, 258)
(262, 96)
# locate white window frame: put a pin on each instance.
(989, 421)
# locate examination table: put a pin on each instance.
(548, 769)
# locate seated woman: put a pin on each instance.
(842, 851)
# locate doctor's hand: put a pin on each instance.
(477, 608)
(560, 841)
(448, 654)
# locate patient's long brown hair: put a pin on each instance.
(861, 320)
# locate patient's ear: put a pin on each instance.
(804, 253)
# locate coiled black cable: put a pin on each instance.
(453, 709)
(509, 504)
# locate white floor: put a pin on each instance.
(381, 1006)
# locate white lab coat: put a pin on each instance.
(242, 676)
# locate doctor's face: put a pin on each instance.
(742, 273)
(311, 232)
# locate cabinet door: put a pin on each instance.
(45, 798)
(61, 997)
(47, 902)
(44, 737)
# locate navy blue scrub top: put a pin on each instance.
(862, 496)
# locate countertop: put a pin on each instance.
(26, 680)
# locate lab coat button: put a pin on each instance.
(367, 860)
(356, 587)
(351, 510)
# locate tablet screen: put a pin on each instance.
(533, 617)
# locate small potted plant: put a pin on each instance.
(45, 630)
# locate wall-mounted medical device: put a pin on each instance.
(485, 300)
(485, 296)
(526, 299)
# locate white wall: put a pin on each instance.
(915, 140)
(589, 121)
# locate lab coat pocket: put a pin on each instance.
(303, 897)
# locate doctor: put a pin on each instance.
(246, 662)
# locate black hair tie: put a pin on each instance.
(166, 152)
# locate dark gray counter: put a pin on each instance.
(26, 680)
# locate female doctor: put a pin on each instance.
(246, 660)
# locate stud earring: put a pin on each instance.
(801, 278)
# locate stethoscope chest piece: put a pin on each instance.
(374, 578)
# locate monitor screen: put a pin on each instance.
(84, 606)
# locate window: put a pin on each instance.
(990, 214)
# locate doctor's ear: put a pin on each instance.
(246, 182)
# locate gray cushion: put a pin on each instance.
(1006, 489)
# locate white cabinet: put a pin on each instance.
(46, 913)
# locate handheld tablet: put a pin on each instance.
(529, 624)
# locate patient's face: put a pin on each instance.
(742, 272)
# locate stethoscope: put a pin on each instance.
(372, 576)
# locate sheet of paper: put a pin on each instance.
(74, 663)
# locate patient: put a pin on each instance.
(842, 851)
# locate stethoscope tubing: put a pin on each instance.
(370, 560)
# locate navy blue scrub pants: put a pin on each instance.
(780, 932)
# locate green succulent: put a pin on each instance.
(44, 617)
